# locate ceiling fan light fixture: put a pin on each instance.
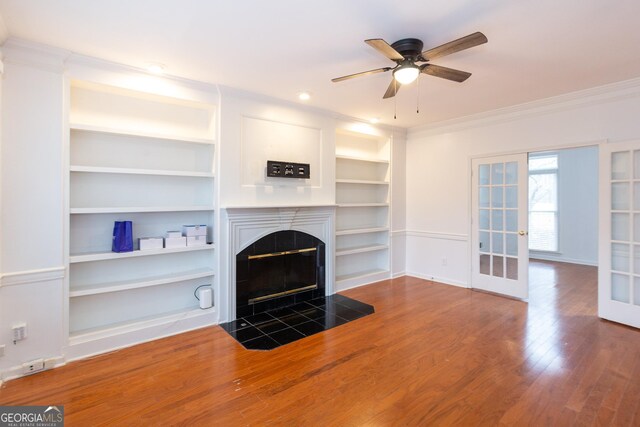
(406, 73)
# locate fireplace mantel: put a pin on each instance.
(241, 226)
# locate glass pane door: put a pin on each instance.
(500, 255)
(619, 273)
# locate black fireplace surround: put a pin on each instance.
(279, 270)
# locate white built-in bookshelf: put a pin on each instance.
(363, 215)
(148, 159)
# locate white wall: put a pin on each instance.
(254, 130)
(438, 165)
(577, 207)
(31, 289)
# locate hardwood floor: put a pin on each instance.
(431, 355)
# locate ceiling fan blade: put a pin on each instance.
(385, 48)
(393, 88)
(364, 73)
(445, 73)
(463, 43)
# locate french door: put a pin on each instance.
(619, 249)
(499, 237)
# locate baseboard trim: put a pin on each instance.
(442, 280)
(365, 279)
(32, 276)
(16, 371)
(398, 274)
(565, 260)
(87, 345)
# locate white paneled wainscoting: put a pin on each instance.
(441, 257)
(29, 298)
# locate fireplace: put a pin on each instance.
(280, 269)
(243, 232)
(281, 256)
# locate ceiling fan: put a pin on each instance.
(406, 53)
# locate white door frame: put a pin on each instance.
(600, 143)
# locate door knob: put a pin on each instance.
(522, 232)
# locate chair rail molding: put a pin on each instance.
(438, 235)
(32, 276)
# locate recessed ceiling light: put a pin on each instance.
(155, 68)
(374, 120)
(304, 96)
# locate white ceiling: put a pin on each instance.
(536, 49)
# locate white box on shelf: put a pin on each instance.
(173, 234)
(194, 230)
(147, 243)
(196, 240)
(175, 242)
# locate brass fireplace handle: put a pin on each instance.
(291, 252)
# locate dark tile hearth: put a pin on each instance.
(271, 329)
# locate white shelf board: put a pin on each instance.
(360, 275)
(362, 205)
(360, 249)
(361, 231)
(100, 129)
(103, 256)
(114, 329)
(129, 171)
(103, 288)
(139, 209)
(361, 159)
(361, 181)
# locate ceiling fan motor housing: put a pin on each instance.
(409, 48)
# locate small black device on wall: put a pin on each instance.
(280, 169)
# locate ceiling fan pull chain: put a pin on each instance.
(418, 97)
(395, 99)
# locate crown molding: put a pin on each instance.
(260, 97)
(34, 54)
(116, 67)
(254, 96)
(59, 60)
(592, 96)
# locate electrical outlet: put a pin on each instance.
(50, 363)
(444, 262)
(19, 332)
(33, 366)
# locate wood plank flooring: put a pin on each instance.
(431, 355)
